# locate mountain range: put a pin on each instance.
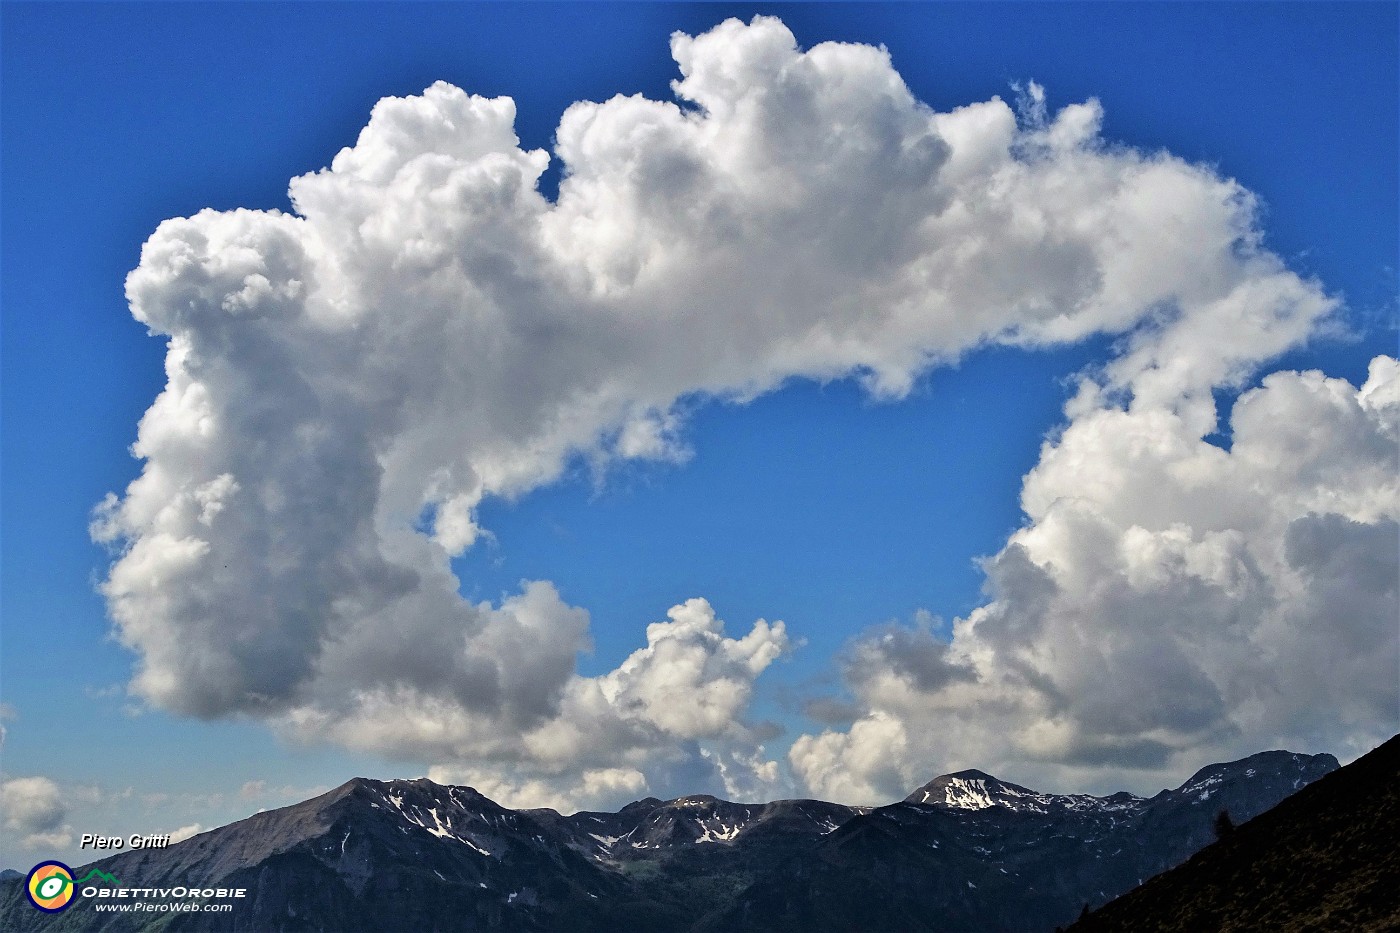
(966, 851)
(1324, 859)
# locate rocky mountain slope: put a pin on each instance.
(1324, 859)
(965, 851)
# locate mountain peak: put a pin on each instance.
(970, 790)
(1294, 768)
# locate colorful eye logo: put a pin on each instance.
(50, 886)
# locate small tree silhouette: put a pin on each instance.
(1223, 825)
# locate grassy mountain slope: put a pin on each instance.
(1325, 859)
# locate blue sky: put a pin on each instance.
(815, 503)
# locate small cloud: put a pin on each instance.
(59, 839)
(766, 731)
(7, 714)
(84, 794)
(831, 711)
(34, 809)
(1030, 103)
(185, 832)
(261, 790)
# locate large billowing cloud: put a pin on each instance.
(347, 383)
(1165, 596)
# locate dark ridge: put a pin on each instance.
(1324, 859)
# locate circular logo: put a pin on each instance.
(50, 886)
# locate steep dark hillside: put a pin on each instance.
(1325, 859)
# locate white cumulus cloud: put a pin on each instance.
(185, 832)
(348, 382)
(1167, 600)
(34, 811)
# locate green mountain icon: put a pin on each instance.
(100, 875)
